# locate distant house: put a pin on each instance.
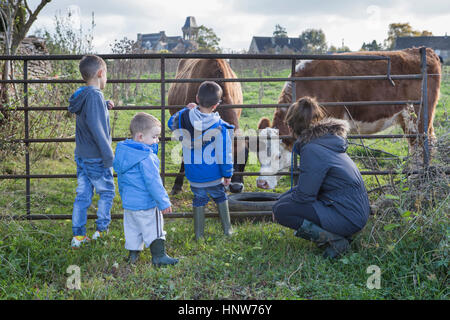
(181, 44)
(275, 45)
(441, 45)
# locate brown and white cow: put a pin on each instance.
(362, 119)
(184, 93)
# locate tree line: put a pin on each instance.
(314, 40)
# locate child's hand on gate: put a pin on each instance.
(191, 105)
(226, 181)
(167, 210)
(110, 104)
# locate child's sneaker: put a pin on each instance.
(77, 241)
(99, 234)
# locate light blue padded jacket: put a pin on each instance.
(140, 185)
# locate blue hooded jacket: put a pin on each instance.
(328, 178)
(140, 185)
(215, 155)
(93, 131)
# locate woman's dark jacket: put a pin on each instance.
(329, 179)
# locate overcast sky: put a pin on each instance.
(237, 21)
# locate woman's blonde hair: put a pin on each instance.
(303, 113)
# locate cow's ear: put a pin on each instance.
(263, 123)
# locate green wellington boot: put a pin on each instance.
(224, 214)
(199, 222)
(133, 256)
(159, 256)
(336, 244)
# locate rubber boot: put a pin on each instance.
(133, 256)
(199, 222)
(224, 214)
(336, 244)
(159, 256)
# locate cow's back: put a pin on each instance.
(184, 93)
(402, 62)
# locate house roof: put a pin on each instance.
(169, 43)
(271, 42)
(155, 38)
(188, 45)
(442, 43)
(174, 38)
(159, 40)
(152, 37)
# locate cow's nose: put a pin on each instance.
(262, 184)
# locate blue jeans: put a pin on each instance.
(91, 174)
(201, 195)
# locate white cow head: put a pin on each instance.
(273, 156)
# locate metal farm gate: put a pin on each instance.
(163, 81)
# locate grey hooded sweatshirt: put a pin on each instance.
(93, 131)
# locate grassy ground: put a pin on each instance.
(262, 261)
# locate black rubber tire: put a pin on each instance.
(239, 202)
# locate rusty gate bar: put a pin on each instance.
(163, 120)
(27, 144)
(162, 57)
(295, 160)
(294, 92)
(281, 173)
(426, 155)
(193, 80)
(250, 106)
(374, 136)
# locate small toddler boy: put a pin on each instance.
(144, 198)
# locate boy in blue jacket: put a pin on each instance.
(207, 154)
(93, 152)
(144, 198)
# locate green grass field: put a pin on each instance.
(263, 260)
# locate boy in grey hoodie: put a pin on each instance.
(93, 152)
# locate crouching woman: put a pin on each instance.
(330, 202)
